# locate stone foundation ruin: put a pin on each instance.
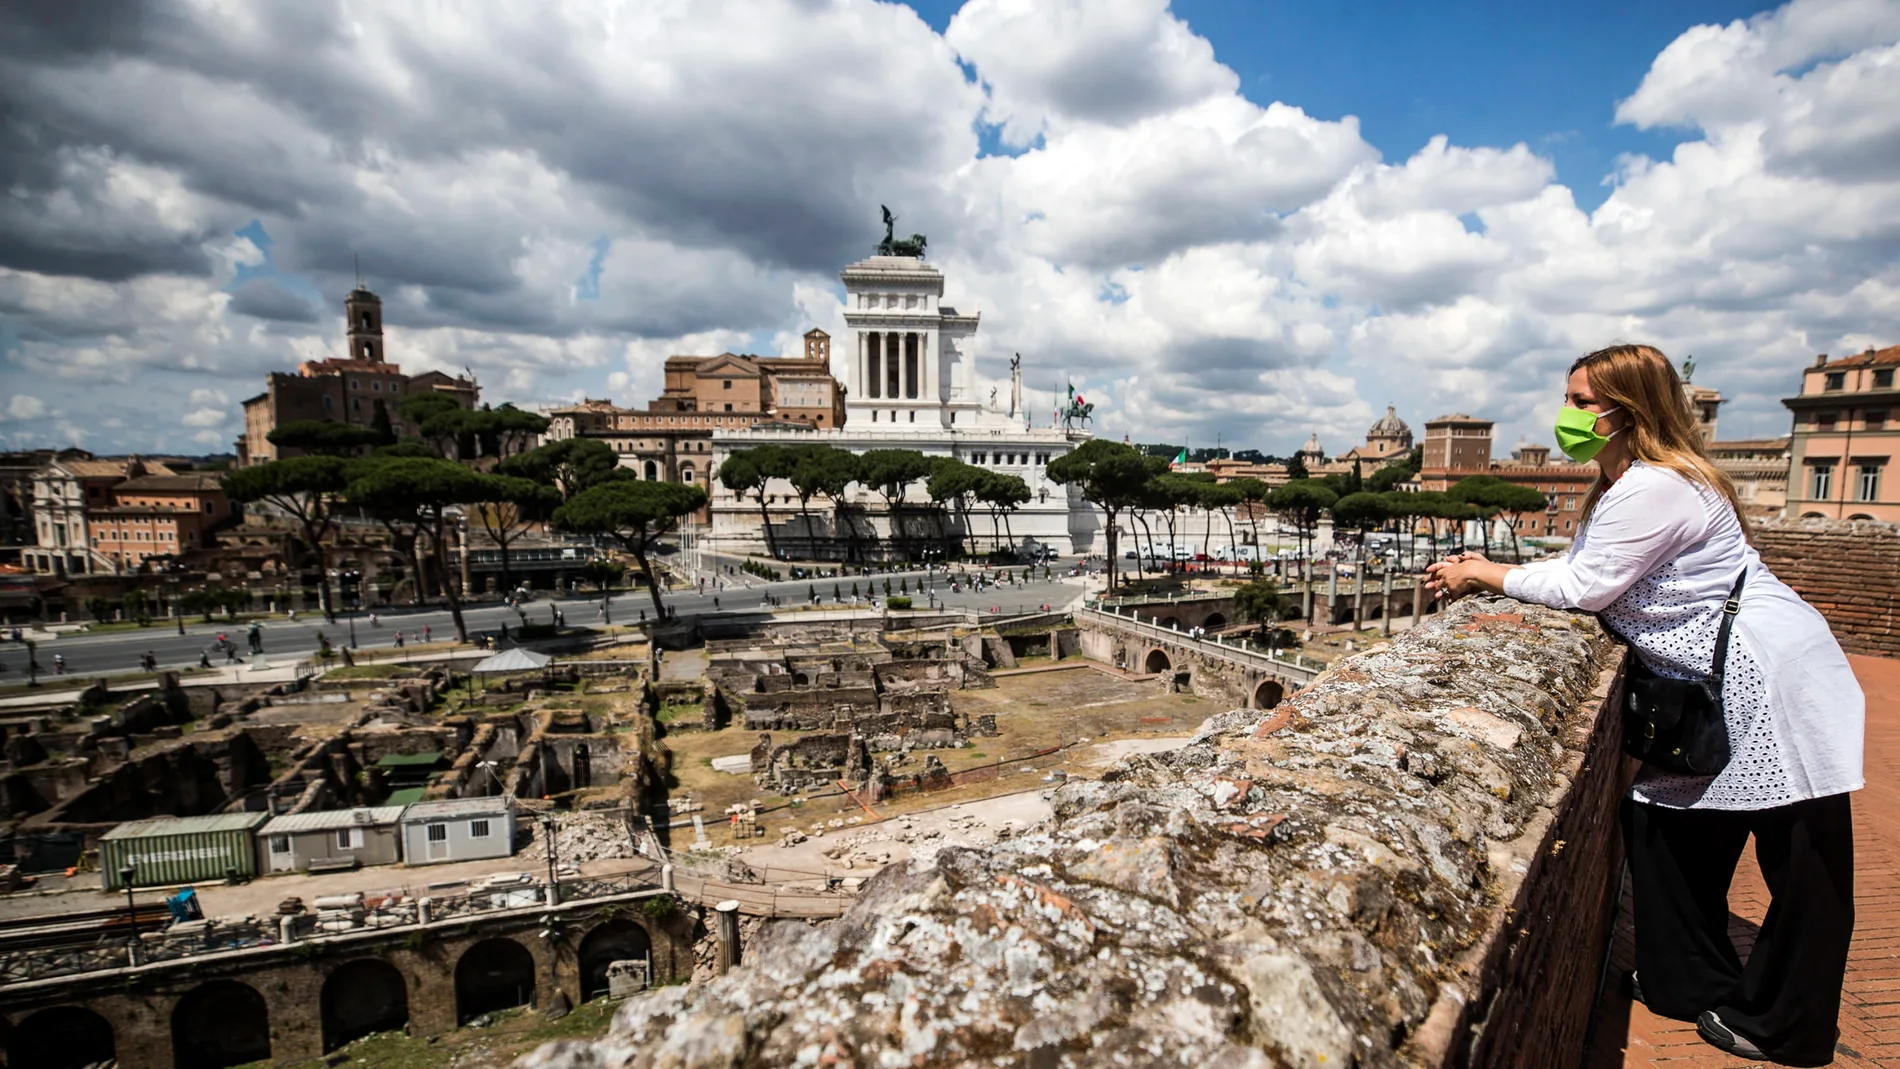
(1409, 862)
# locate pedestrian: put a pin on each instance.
(426, 632)
(1662, 555)
(399, 640)
(204, 658)
(504, 630)
(715, 603)
(59, 664)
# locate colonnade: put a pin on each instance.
(895, 365)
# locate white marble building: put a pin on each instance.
(909, 367)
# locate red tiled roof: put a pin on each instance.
(190, 482)
(1889, 355)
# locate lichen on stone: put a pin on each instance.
(1292, 888)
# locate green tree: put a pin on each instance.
(1361, 512)
(1254, 494)
(1109, 474)
(743, 473)
(1001, 494)
(509, 508)
(100, 607)
(817, 470)
(1260, 602)
(635, 513)
(954, 484)
(439, 421)
(1296, 468)
(1303, 501)
(1216, 499)
(890, 472)
(304, 488)
(569, 465)
(1403, 509)
(323, 437)
(423, 491)
(1491, 496)
(500, 431)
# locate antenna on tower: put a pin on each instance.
(356, 261)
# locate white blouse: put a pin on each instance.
(1657, 560)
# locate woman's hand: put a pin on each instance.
(1462, 574)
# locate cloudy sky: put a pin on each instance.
(1231, 217)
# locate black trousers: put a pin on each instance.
(1787, 997)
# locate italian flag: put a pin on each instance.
(1180, 458)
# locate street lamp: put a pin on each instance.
(131, 908)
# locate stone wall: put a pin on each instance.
(1407, 863)
(1850, 571)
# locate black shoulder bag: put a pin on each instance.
(1677, 725)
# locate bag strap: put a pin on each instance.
(1730, 609)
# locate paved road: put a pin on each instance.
(119, 651)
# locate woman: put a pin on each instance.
(1660, 547)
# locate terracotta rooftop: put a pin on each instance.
(1889, 355)
(191, 481)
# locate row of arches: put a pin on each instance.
(222, 1023)
(1267, 693)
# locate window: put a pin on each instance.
(356, 404)
(1824, 421)
(348, 838)
(913, 417)
(478, 829)
(728, 406)
(352, 384)
(728, 384)
(1820, 481)
(1876, 419)
(1883, 380)
(1835, 380)
(280, 844)
(874, 415)
(438, 833)
(1869, 485)
(376, 386)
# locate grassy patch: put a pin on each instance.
(678, 711)
(509, 1035)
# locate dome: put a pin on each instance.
(1312, 447)
(1390, 426)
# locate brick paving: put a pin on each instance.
(1630, 1036)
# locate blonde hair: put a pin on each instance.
(1662, 430)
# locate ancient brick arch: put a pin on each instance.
(1157, 661)
(615, 940)
(1267, 693)
(60, 1037)
(220, 1023)
(361, 998)
(1214, 622)
(494, 974)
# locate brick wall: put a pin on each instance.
(1850, 571)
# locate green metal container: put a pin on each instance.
(174, 850)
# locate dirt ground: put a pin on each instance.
(1095, 715)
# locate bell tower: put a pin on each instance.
(363, 311)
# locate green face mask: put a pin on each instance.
(1577, 433)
